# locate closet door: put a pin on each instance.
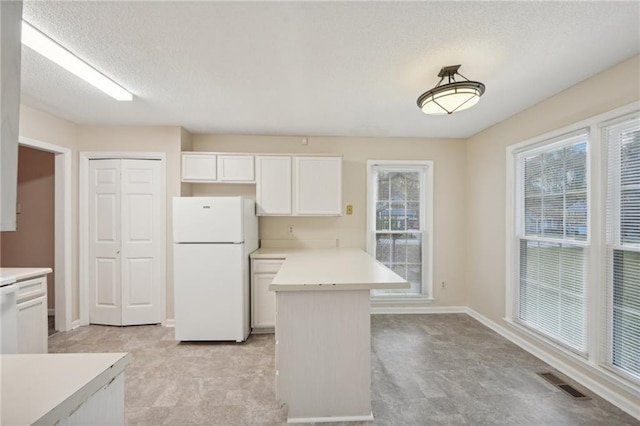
(104, 242)
(124, 241)
(140, 242)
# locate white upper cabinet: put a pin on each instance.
(286, 185)
(310, 186)
(236, 168)
(217, 167)
(317, 186)
(198, 167)
(273, 185)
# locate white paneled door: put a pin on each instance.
(124, 241)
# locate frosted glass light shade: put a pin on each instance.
(450, 98)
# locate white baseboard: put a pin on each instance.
(169, 322)
(330, 419)
(628, 405)
(381, 309)
(75, 324)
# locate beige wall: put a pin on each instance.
(486, 174)
(469, 181)
(486, 177)
(186, 144)
(32, 243)
(43, 127)
(449, 197)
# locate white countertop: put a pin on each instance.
(45, 388)
(329, 269)
(11, 275)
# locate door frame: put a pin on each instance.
(62, 231)
(83, 204)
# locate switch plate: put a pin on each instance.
(349, 209)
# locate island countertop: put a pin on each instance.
(44, 388)
(330, 270)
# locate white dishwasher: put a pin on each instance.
(8, 316)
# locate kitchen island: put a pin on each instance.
(62, 388)
(323, 332)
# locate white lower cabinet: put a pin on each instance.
(33, 327)
(263, 301)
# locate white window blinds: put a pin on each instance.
(553, 234)
(623, 245)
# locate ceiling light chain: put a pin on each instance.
(450, 97)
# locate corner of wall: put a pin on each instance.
(186, 140)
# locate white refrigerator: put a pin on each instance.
(213, 237)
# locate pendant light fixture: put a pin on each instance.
(452, 96)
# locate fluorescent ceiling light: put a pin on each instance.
(51, 50)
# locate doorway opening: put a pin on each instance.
(53, 162)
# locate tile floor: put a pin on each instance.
(51, 323)
(444, 369)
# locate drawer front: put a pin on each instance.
(28, 289)
(266, 266)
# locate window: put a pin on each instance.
(399, 222)
(573, 242)
(623, 245)
(552, 230)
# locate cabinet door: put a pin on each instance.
(11, 12)
(236, 168)
(318, 186)
(32, 326)
(273, 185)
(199, 167)
(263, 302)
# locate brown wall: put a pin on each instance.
(32, 244)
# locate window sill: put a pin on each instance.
(601, 371)
(547, 342)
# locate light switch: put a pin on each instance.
(349, 209)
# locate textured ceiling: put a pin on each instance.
(319, 68)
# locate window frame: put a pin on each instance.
(595, 291)
(609, 247)
(426, 222)
(519, 232)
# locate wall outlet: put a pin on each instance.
(291, 229)
(442, 284)
(349, 209)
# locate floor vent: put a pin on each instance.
(560, 383)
